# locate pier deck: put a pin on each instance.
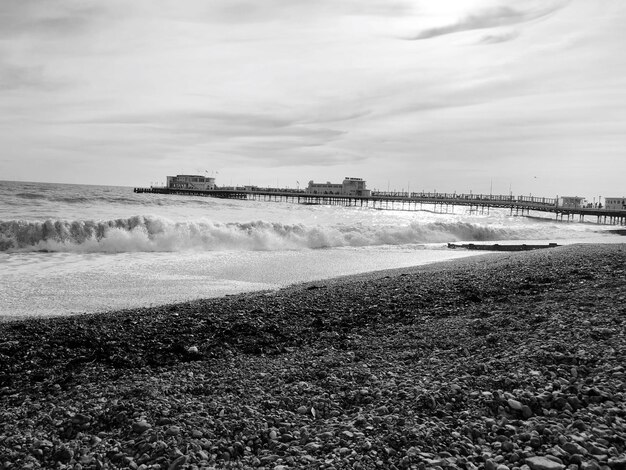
(481, 203)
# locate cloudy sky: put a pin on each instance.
(447, 95)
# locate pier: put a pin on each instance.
(439, 202)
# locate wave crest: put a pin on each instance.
(151, 234)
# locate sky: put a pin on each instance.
(525, 97)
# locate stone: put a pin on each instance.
(514, 404)
(382, 410)
(570, 447)
(178, 463)
(490, 465)
(596, 449)
(86, 459)
(507, 446)
(312, 447)
(526, 412)
(266, 459)
(559, 452)
(543, 463)
(347, 435)
(617, 463)
(80, 418)
(141, 426)
(590, 465)
(64, 454)
(175, 453)
(554, 458)
(535, 442)
(576, 459)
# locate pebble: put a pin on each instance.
(526, 412)
(543, 463)
(490, 465)
(514, 404)
(64, 454)
(178, 463)
(141, 426)
(312, 447)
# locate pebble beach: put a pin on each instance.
(505, 361)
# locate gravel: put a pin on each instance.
(499, 362)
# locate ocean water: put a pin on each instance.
(67, 249)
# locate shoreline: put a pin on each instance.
(80, 306)
(497, 360)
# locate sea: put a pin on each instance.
(71, 249)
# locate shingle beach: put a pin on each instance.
(498, 362)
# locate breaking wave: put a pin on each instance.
(157, 234)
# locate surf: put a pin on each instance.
(155, 233)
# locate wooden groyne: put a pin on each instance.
(498, 247)
(437, 202)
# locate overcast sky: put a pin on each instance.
(527, 96)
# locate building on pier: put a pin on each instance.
(349, 187)
(197, 182)
(571, 202)
(615, 203)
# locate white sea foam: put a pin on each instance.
(154, 234)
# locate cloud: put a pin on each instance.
(499, 37)
(13, 77)
(251, 11)
(43, 18)
(277, 140)
(224, 124)
(490, 18)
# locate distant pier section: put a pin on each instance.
(352, 192)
